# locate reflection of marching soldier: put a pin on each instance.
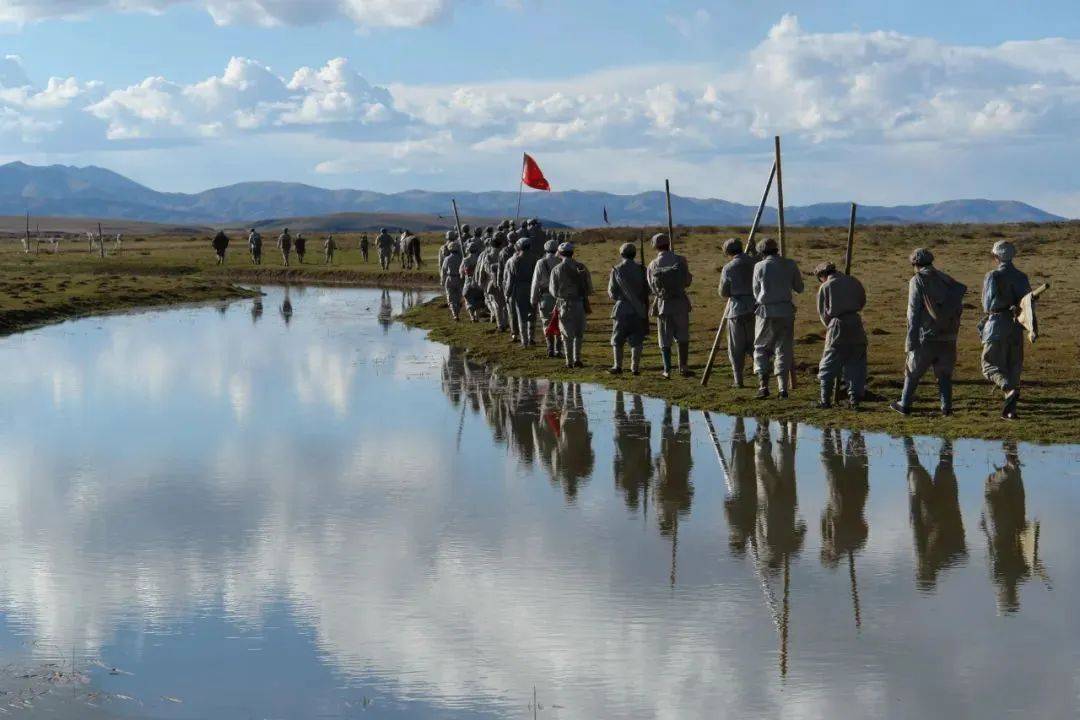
(780, 532)
(674, 492)
(575, 457)
(740, 506)
(1012, 542)
(632, 461)
(936, 522)
(847, 473)
(286, 307)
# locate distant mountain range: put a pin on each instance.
(94, 192)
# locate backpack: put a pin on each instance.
(670, 281)
(943, 298)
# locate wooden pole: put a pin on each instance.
(670, 223)
(26, 242)
(101, 241)
(781, 227)
(457, 220)
(761, 209)
(521, 189)
(749, 248)
(780, 196)
(850, 241)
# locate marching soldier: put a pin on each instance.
(628, 287)
(669, 276)
(775, 279)
(840, 300)
(301, 247)
(329, 246)
(737, 285)
(517, 282)
(541, 297)
(284, 243)
(385, 245)
(1002, 336)
(221, 244)
(365, 246)
(255, 247)
(451, 276)
(935, 304)
(489, 275)
(571, 286)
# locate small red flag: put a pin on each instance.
(533, 176)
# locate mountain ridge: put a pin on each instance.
(91, 191)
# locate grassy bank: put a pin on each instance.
(1051, 402)
(45, 287)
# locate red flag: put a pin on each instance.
(533, 176)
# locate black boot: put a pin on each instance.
(824, 402)
(945, 391)
(763, 386)
(684, 360)
(665, 355)
(551, 346)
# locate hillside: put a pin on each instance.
(65, 191)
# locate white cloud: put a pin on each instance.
(363, 13)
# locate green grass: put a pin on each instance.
(36, 289)
(1050, 404)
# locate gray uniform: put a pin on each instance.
(255, 246)
(385, 244)
(284, 243)
(472, 290)
(451, 274)
(505, 255)
(1002, 335)
(926, 346)
(571, 286)
(840, 300)
(737, 285)
(775, 280)
(672, 303)
(541, 295)
(517, 284)
(627, 288)
(489, 276)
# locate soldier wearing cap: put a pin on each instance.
(840, 300)
(628, 287)
(505, 256)
(1002, 335)
(935, 303)
(517, 283)
(489, 274)
(541, 296)
(451, 275)
(669, 276)
(737, 285)
(571, 286)
(385, 245)
(776, 278)
(444, 250)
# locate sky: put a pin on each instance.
(877, 102)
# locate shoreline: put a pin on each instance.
(481, 342)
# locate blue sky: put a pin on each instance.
(880, 102)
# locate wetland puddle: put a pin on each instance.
(302, 509)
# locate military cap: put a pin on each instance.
(451, 235)
(1004, 251)
(382, 231)
(551, 246)
(825, 268)
(660, 240)
(567, 248)
(522, 244)
(498, 239)
(768, 245)
(628, 250)
(733, 246)
(921, 257)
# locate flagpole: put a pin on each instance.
(521, 188)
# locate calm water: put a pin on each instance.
(258, 511)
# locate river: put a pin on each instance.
(297, 508)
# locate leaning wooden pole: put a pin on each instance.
(26, 242)
(850, 240)
(780, 197)
(670, 222)
(749, 248)
(457, 222)
(781, 228)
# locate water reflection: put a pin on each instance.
(936, 521)
(1012, 541)
(632, 466)
(302, 520)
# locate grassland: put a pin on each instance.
(46, 287)
(1050, 408)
